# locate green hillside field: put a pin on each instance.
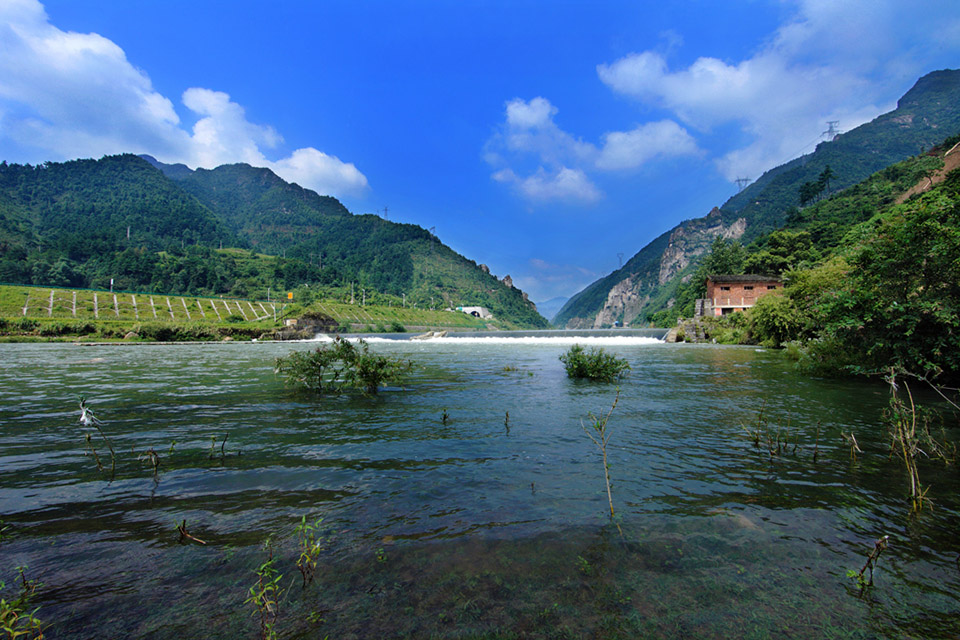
(45, 313)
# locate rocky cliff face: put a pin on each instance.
(633, 289)
(623, 302)
(693, 238)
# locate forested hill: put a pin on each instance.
(166, 228)
(928, 113)
(872, 276)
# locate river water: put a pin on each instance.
(468, 503)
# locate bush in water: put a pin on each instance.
(595, 364)
(340, 364)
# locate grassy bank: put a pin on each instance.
(52, 313)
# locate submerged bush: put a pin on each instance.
(339, 365)
(595, 364)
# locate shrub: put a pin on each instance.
(595, 364)
(397, 327)
(727, 329)
(774, 320)
(25, 324)
(339, 365)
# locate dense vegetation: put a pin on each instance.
(873, 283)
(926, 114)
(595, 364)
(340, 365)
(163, 228)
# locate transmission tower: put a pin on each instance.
(741, 183)
(833, 130)
(620, 258)
(385, 210)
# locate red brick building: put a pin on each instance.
(726, 294)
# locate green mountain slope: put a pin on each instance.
(873, 276)
(86, 223)
(274, 216)
(925, 115)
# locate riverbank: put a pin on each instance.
(30, 313)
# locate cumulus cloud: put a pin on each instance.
(67, 95)
(562, 159)
(829, 61)
(529, 128)
(564, 184)
(630, 149)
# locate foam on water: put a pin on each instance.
(514, 340)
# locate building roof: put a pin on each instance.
(746, 278)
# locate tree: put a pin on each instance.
(899, 306)
(784, 251)
(809, 192)
(824, 180)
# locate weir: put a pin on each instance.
(587, 337)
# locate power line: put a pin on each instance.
(833, 130)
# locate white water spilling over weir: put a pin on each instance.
(521, 338)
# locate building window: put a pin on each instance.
(771, 286)
(749, 287)
(724, 288)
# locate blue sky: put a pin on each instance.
(540, 138)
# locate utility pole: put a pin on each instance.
(351, 293)
(404, 301)
(363, 301)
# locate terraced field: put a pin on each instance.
(104, 306)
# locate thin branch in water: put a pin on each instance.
(601, 439)
(185, 535)
(878, 548)
(816, 443)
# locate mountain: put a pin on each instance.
(149, 225)
(549, 308)
(874, 280)
(647, 283)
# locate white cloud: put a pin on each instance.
(830, 61)
(530, 128)
(536, 114)
(320, 172)
(562, 160)
(67, 95)
(630, 149)
(564, 184)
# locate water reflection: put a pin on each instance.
(719, 529)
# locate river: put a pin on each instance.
(469, 502)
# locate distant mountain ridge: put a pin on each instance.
(148, 225)
(927, 114)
